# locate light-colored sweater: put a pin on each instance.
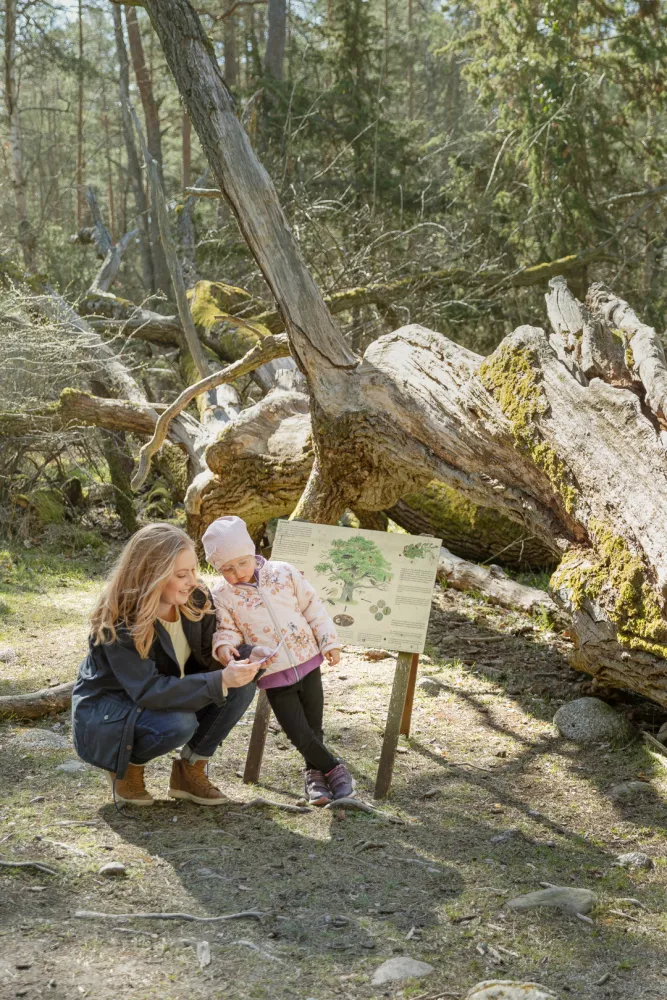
(178, 640)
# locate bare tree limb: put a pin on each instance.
(266, 350)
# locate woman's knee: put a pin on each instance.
(158, 732)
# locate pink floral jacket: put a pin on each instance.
(279, 603)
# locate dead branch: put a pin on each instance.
(492, 582)
(241, 915)
(47, 701)
(260, 802)
(269, 349)
(28, 864)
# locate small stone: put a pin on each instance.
(635, 859)
(429, 686)
(508, 989)
(502, 838)
(431, 793)
(375, 654)
(7, 654)
(112, 869)
(564, 898)
(401, 967)
(203, 954)
(626, 791)
(52, 983)
(71, 766)
(661, 734)
(590, 720)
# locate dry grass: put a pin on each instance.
(486, 744)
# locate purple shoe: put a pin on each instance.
(317, 790)
(340, 781)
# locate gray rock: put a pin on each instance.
(42, 739)
(71, 766)
(590, 720)
(628, 791)
(429, 686)
(399, 968)
(563, 897)
(112, 869)
(635, 859)
(8, 654)
(661, 734)
(509, 989)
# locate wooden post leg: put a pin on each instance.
(260, 728)
(391, 730)
(409, 696)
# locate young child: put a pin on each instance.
(271, 603)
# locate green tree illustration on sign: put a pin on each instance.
(356, 562)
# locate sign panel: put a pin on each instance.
(376, 585)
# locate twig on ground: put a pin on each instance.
(626, 916)
(603, 979)
(242, 915)
(135, 930)
(260, 951)
(352, 803)
(61, 845)
(370, 845)
(74, 822)
(414, 861)
(582, 916)
(633, 902)
(276, 805)
(28, 864)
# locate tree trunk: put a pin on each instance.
(275, 45)
(17, 170)
(153, 139)
(230, 45)
(80, 193)
(133, 166)
(186, 151)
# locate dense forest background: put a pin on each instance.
(440, 149)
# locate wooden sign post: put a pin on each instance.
(397, 572)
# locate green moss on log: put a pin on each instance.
(210, 302)
(469, 531)
(619, 573)
(510, 375)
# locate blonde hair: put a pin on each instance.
(131, 595)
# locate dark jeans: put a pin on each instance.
(157, 733)
(299, 709)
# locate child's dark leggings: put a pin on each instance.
(299, 709)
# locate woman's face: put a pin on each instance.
(182, 581)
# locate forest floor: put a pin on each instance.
(342, 892)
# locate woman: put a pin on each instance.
(149, 683)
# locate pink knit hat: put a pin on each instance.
(227, 539)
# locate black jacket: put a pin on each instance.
(115, 684)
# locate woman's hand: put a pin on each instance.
(332, 657)
(226, 654)
(237, 675)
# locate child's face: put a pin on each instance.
(239, 570)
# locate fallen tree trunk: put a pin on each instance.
(490, 581)
(36, 704)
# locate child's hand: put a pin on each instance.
(332, 657)
(226, 654)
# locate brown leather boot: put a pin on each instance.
(131, 789)
(190, 781)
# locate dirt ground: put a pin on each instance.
(340, 892)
